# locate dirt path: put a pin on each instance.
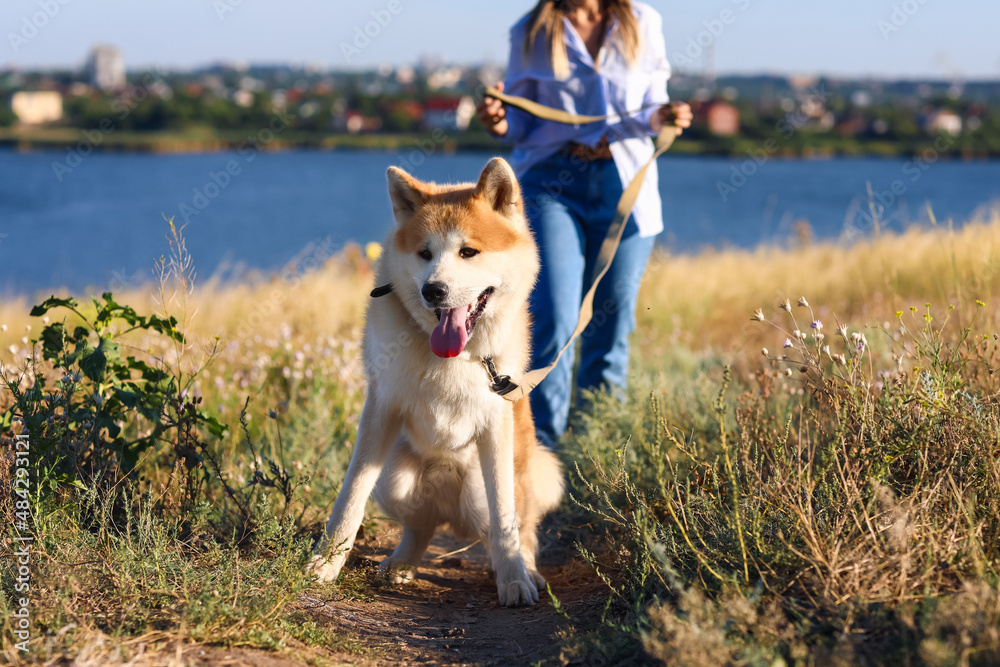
(450, 615)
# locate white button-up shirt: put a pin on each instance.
(608, 86)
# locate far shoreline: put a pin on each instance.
(41, 139)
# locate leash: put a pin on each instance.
(609, 247)
(503, 385)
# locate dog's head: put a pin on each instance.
(461, 256)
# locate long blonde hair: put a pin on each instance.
(547, 17)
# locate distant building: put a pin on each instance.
(106, 68)
(356, 122)
(722, 119)
(449, 113)
(445, 77)
(36, 107)
(410, 109)
(943, 120)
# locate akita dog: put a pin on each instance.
(435, 442)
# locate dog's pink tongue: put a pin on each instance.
(449, 337)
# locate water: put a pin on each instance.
(103, 225)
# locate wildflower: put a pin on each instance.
(788, 343)
(788, 372)
(786, 306)
(820, 337)
(758, 315)
(3, 327)
(899, 313)
(826, 350)
(45, 320)
(98, 399)
(978, 303)
(763, 351)
(817, 325)
(273, 414)
(859, 340)
(803, 303)
(842, 331)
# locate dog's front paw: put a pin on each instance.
(517, 588)
(538, 579)
(398, 573)
(325, 568)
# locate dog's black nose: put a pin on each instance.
(434, 293)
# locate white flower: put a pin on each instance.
(763, 351)
(788, 372)
(3, 327)
(788, 343)
(803, 303)
(842, 331)
(786, 306)
(817, 325)
(826, 350)
(758, 316)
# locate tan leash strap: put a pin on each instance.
(609, 247)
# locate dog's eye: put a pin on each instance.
(425, 254)
(467, 252)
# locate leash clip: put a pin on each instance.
(499, 384)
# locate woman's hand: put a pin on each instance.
(493, 115)
(675, 113)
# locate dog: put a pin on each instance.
(436, 444)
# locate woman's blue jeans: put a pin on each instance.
(569, 204)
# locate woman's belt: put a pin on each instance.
(602, 151)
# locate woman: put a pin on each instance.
(589, 57)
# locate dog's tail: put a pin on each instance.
(546, 479)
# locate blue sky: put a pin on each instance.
(928, 37)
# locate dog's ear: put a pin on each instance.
(406, 194)
(498, 186)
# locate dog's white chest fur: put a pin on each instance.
(443, 406)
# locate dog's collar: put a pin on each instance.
(499, 384)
